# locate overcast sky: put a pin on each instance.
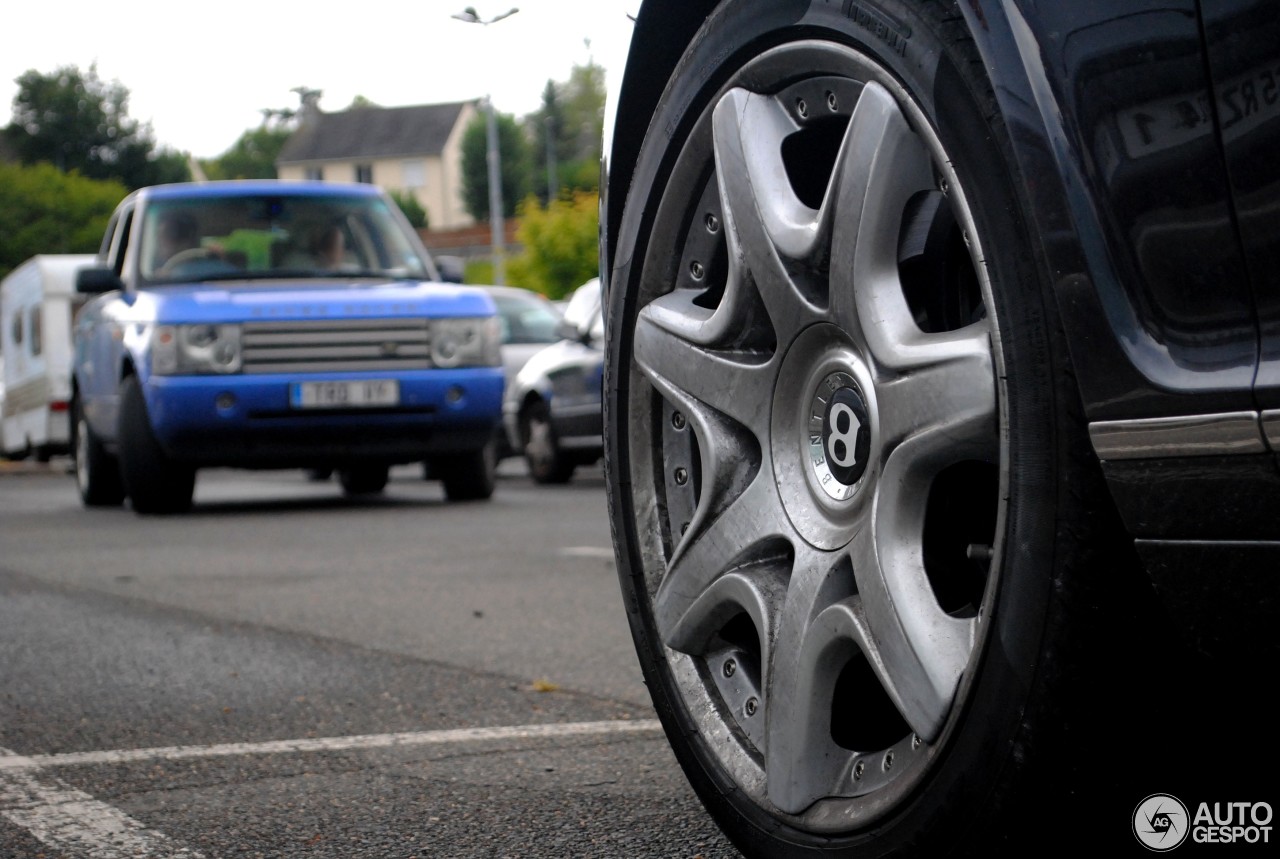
(200, 74)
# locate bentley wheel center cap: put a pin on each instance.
(839, 435)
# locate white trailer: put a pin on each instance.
(37, 301)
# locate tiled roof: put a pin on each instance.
(372, 132)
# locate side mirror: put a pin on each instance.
(97, 280)
(566, 330)
(451, 268)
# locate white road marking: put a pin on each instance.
(332, 744)
(73, 822)
(587, 552)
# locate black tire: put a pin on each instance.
(154, 483)
(97, 472)
(364, 478)
(469, 476)
(548, 462)
(813, 714)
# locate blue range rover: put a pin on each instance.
(276, 325)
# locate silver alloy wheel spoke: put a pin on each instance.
(734, 385)
(821, 624)
(765, 223)
(920, 651)
(743, 534)
(882, 165)
(943, 394)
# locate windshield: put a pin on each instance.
(526, 320)
(276, 236)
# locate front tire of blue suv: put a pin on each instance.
(364, 478)
(154, 483)
(470, 476)
(97, 471)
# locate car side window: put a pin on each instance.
(122, 242)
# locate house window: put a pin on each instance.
(414, 174)
(364, 173)
(315, 174)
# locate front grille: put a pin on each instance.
(340, 345)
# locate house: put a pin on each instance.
(417, 149)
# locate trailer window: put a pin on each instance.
(16, 332)
(37, 330)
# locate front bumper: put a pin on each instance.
(248, 421)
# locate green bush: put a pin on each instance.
(561, 244)
(413, 211)
(46, 211)
(478, 271)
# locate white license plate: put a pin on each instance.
(365, 393)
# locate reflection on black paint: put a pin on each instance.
(1244, 58)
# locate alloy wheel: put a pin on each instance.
(815, 411)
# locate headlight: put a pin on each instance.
(194, 349)
(466, 342)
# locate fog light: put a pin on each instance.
(454, 395)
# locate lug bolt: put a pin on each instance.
(677, 420)
(730, 667)
(915, 741)
(752, 706)
(888, 761)
(942, 186)
(684, 529)
(713, 223)
(858, 769)
(696, 270)
(802, 107)
(832, 103)
(682, 476)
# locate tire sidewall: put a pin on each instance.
(154, 483)
(979, 769)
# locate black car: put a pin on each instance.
(942, 398)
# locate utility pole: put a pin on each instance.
(497, 222)
(494, 159)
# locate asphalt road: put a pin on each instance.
(283, 672)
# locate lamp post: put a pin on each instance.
(494, 159)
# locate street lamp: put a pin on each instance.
(493, 156)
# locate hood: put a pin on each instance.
(252, 301)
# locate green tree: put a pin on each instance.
(549, 150)
(572, 113)
(561, 244)
(46, 211)
(513, 167)
(411, 207)
(253, 156)
(76, 121)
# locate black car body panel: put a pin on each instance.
(1146, 133)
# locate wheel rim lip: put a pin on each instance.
(539, 447)
(82, 454)
(834, 815)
